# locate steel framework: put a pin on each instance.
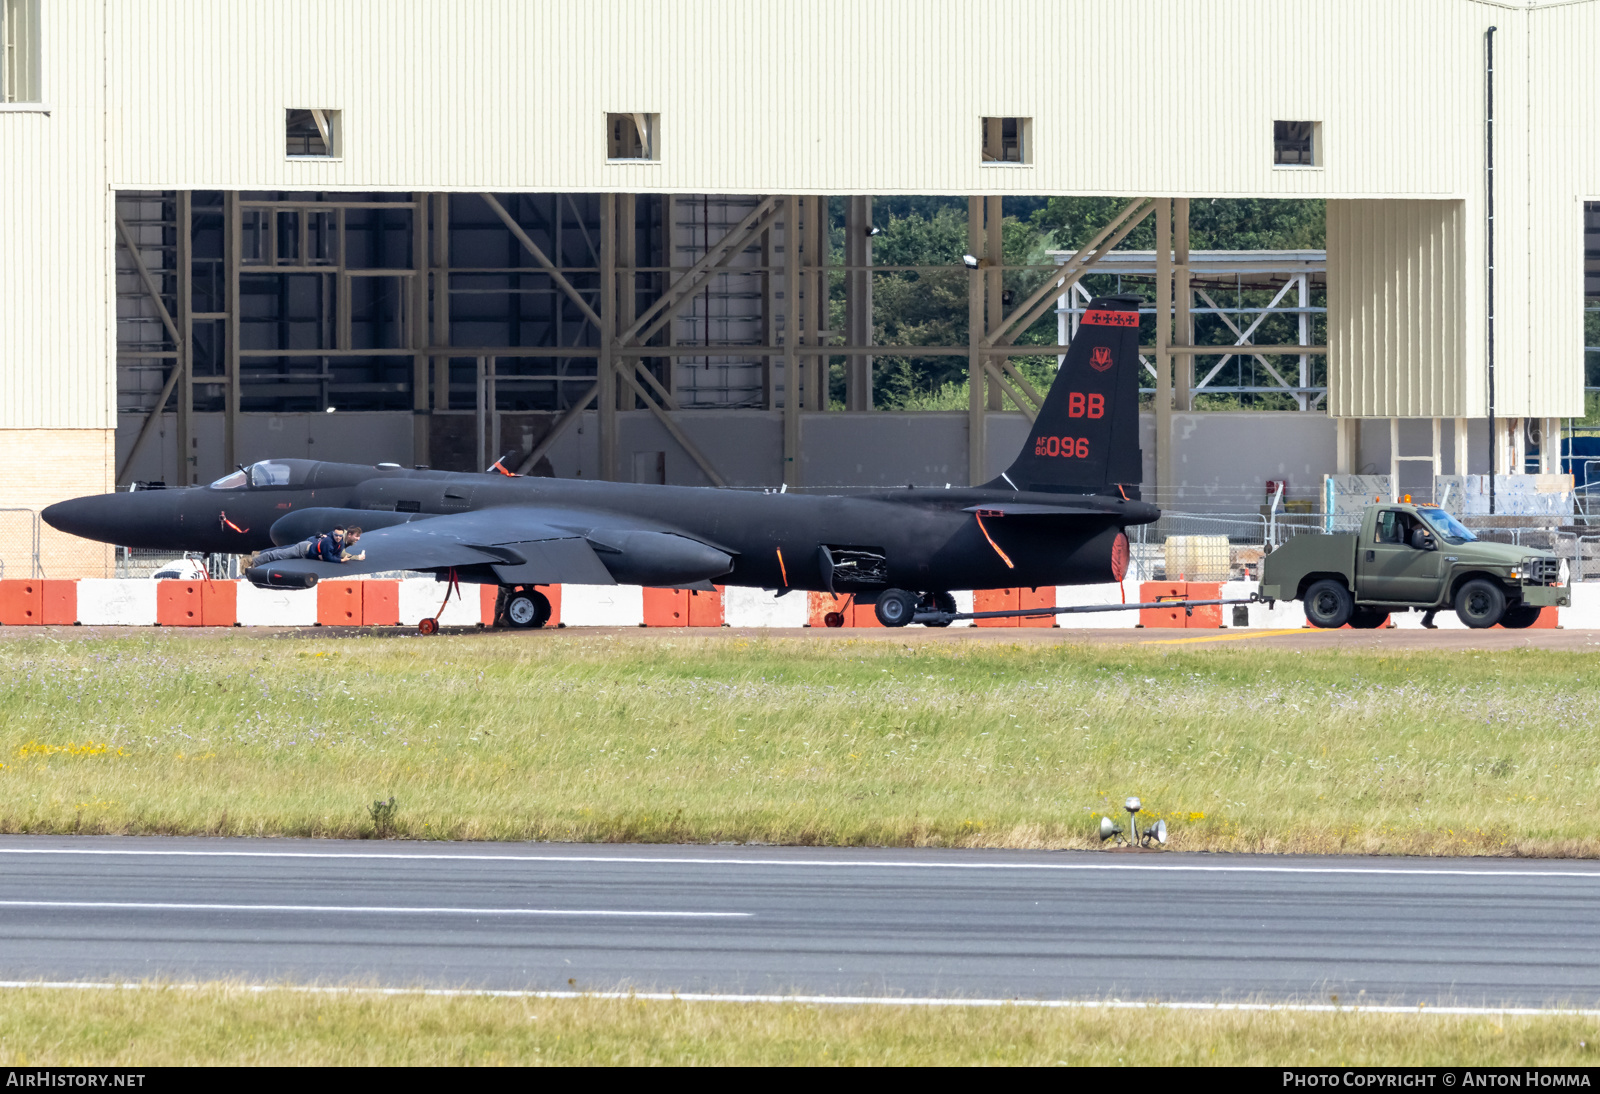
(470, 306)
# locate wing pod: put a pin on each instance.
(270, 577)
(657, 558)
(305, 523)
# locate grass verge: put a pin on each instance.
(229, 1024)
(672, 737)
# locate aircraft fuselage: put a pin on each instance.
(926, 536)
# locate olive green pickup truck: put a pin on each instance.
(1412, 556)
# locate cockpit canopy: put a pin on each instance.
(265, 473)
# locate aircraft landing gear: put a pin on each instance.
(895, 607)
(938, 602)
(523, 608)
(833, 619)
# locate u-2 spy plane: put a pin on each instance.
(1057, 516)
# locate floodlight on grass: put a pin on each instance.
(1156, 833)
(1110, 829)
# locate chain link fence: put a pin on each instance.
(19, 543)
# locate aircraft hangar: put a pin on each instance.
(604, 236)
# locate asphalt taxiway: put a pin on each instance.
(875, 922)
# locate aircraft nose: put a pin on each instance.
(128, 519)
(79, 516)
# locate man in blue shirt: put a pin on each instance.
(332, 547)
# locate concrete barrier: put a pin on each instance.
(275, 607)
(22, 602)
(1011, 600)
(763, 608)
(682, 607)
(419, 598)
(178, 603)
(1585, 611)
(1072, 596)
(60, 602)
(138, 602)
(602, 605)
(117, 602)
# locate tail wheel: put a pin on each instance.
(895, 607)
(833, 619)
(1480, 603)
(427, 627)
(527, 609)
(1329, 604)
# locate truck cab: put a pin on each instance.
(1412, 556)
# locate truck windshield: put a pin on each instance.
(1451, 529)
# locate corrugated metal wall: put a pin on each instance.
(829, 96)
(55, 237)
(1562, 118)
(1396, 309)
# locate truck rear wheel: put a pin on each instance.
(1519, 616)
(1480, 603)
(1328, 604)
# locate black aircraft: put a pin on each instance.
(1056, 516)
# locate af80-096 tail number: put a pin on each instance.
(1065, 447)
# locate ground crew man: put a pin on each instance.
(332, 547)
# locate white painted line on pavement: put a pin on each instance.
(166, 906)
(1127, 867)
(828, 1000)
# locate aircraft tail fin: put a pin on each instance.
(1086, 437)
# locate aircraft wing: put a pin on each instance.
(533, 547)
(520, 544)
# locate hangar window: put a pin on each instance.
(312, 134)
(632, 136)
(1297, 144)
(19, 51)
(1006, 140)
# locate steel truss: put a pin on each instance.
(480, 305)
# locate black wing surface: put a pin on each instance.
(524, 544)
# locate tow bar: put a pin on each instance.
(1188, 606)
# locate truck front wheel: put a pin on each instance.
(1480, 603)
(1328, 604)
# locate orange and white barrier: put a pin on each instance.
(276, 607)
(376, 602)
(30, 602)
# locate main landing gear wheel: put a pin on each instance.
(1329, 604)
(938, 602)
(1480, 603)
(1520, 616)
(895, 607)
(527, 609)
